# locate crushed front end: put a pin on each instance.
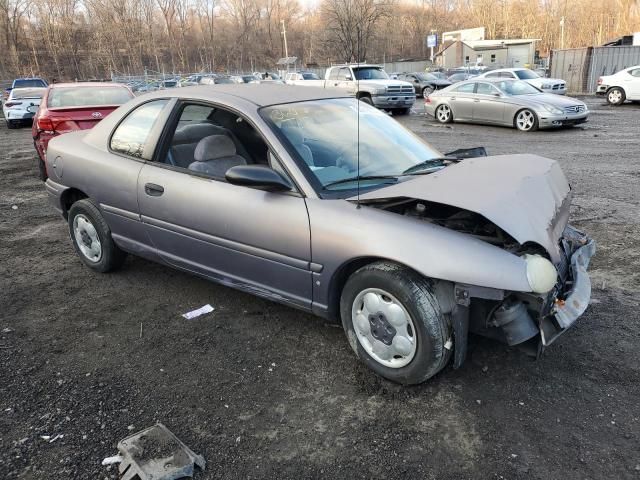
(538, 319)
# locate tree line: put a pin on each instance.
(81, 39)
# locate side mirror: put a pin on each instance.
(497, 94)
(260, 177)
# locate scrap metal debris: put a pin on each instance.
(157, 454)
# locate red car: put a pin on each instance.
(66, 107)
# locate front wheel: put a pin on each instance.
(426, 91)
(11, 125)
(366, 99)
(526, 121)
(394, 323)
(401, 111)
(616, 96)
(444, 114)
(91, 237)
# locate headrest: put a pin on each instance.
(293, 133)
(194, 132)
(213, 147)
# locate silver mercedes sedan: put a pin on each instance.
(307, 197)
(511, 103)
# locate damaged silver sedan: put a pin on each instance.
(315, 200)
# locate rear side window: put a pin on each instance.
(486, 89)
(31, 83)
(131, 136)
(493, 75)
(635, 72)
(88, 97)
(466, 88)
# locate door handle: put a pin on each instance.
(153, 190)
(453, 98)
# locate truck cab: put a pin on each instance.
(371, 84)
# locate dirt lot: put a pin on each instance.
(264, 391)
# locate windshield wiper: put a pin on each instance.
(363, 177)
(428, 165)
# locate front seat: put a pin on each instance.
(214, 155)
(294, 134)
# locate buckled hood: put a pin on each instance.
(525, 195)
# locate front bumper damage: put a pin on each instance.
(534, 321)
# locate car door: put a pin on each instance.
(252, 239)
(488, 106)
(461, 100)
(632, 84)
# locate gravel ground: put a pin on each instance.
(264, 391)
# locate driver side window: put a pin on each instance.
(210, 140)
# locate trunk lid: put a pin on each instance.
(526, 195)
(79, 118)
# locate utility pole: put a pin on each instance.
(562, 32)
(284, 34)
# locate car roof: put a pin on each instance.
(514, 69)
(262, 94)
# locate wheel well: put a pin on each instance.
(341, 276)
(360, 95)
(618, 87)
(69, 197)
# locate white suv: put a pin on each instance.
(547, 85)
(621, 86)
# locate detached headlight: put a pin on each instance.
(552, 109)
(541, 273)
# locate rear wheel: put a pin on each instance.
(526, 121)
(444, 114)
(394, 323)
(91, 237)
(615, 96)
(426, 91)
(11, 125)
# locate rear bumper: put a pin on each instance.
(54, 192)
(19, 115)
(602, 89)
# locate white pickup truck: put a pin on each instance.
(369, 83)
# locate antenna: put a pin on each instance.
(358, 114)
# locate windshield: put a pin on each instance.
(370, 73)
(324, 134)
(526, 74)
(310, 76)
(516, 87)
(31, 83)
(62, 97)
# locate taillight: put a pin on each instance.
(58, 125)
(427, 100)
(44, 124)
(12, 104)
(600, 81)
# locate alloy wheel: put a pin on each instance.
(525, 120)
(384, 328)
(443, 113)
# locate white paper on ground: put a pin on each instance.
(200, 311)
(112, 460)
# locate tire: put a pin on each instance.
(11, 125)
(42, 169)
(84, 216)
(526, 120)
(401, 111)
(366, 99)
(616, 96)
(444, 114)
(410, 350)
(426, 91)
